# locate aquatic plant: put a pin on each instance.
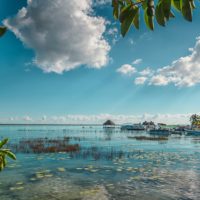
(5, 153)
(45, 145)
(161, 138)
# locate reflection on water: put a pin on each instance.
(92, 163)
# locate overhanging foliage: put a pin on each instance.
(128, 12)
(5, 153)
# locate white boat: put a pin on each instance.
(132, 127)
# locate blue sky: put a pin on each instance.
(31, 89)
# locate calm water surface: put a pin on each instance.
(109, 165)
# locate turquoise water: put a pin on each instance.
(109, 165)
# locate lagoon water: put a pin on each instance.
(109, 164)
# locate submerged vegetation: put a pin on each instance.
(159, 138)
(45, 145)
(4, 153)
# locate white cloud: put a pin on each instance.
(113, 34)
(112, 31)
(182, 72)
(126, 69)
(101, 2)
(101, 118)
(64, 34)
(137, 61)
(145, 72)
(159, 80)
(140, 80)
(44, 117)
(26, 118)
(131, 41)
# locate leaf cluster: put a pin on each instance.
(128, 12)
(3, 30)
(4, 153)
(195, 120)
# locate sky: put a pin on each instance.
(66, 62)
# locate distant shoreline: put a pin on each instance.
(20, 124)
(54, 125)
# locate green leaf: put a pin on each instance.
(172, 14)
(124, 13)
(192, 4)
(1, 166)
(144, 4)
(115, 5)
(1, 162)
(186, 10)
(3, 142)
(121, 2)
(2, 30)
(125, 26)
(160, 15)
(166, 6)
(136, 20)
(128, 1)
(4, 161)
(176, 4)
(149, 19)
(10, 154)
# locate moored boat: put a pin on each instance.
(163, 132)
(193, 132)
(177, 132)
(132, 127)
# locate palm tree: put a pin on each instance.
(5, 153)
(195, 120)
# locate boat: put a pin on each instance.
(177, 132)
(132, 127)
(193, 132)
(180, 130)
(163, 132)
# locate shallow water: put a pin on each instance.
(109, 165)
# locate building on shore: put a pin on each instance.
(149, 125)
(109, 124)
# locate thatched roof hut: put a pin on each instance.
(149, 125)
(162, 124)
(145, 123)
(109, 123)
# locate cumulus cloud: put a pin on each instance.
(131, 41)
(182, 72)
(112, 31)
(137, 61)
(159, 80)
(140, 80)
(113, 34)
(101, 118)
(64, 34)
(146, 72)
(126, 69)
(27, 118)
(101, 2)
